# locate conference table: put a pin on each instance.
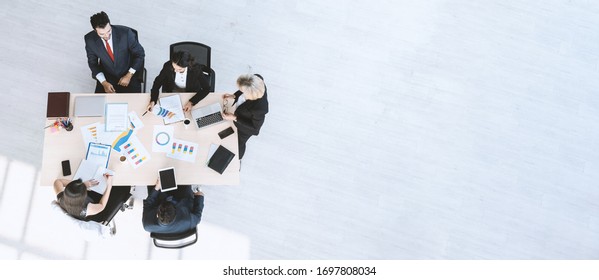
(60, 145)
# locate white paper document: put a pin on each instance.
(89, 170)
(116, 117)
(172, 104)
(211, 152)
(162, 138)
(135, 122)
(183, 150)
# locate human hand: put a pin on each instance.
(124, 81)
(226, 95)
(157, 187)
(187, 106)
(151, 105)
(90, 183)
(229, 116)
(108, 178)
(108, 88)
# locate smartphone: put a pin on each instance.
(228, 131)
(167, 179)
(66, 167)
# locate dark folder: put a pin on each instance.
(220, 159)
(58, 104)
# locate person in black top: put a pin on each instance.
(252, 107)
(79, 202)
(180, 74)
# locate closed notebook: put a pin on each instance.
(220, 159)
(58, 104)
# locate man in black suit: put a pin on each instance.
(113, 55)
(173, 211)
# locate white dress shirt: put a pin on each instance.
(181, 79)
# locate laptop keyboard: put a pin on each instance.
(209, 119)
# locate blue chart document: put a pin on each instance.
(98, 153)
(94, 166)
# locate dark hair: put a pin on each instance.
(182, 58)
(74, 197)
(99, 20)
(166, 213)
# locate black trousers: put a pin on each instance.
(242, 139)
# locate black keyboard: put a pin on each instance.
(209, 119)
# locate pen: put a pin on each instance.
(145, 113)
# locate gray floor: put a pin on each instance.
(398, 129)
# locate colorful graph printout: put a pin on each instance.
(183, 150)
(162, 138)
(90, 133)
(172, 104)
(162, 112)
(135, 152)
(135, 122)
(122, 138)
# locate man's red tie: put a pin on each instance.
(109, 50)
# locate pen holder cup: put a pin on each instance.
(69, 127)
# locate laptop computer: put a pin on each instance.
(207, 115)
(89, 106)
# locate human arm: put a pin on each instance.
(159, 82)
(92, 57)
(59, 185)
(199, 85)
(137, 52)
(152, 200)
(93, 62)
(250, 120)
(198, 207)
(125, 79)
(95, 208)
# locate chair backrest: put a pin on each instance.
(175, 240)
(211, 76)
(116, 201)
(199, 51)
(202, 54)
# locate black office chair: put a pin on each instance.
(140, 75)
(117, 201)
(199, 51)
(175, 240)
(202, 55)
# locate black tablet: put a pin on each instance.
(167, 179)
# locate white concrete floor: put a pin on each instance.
(398, 129)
